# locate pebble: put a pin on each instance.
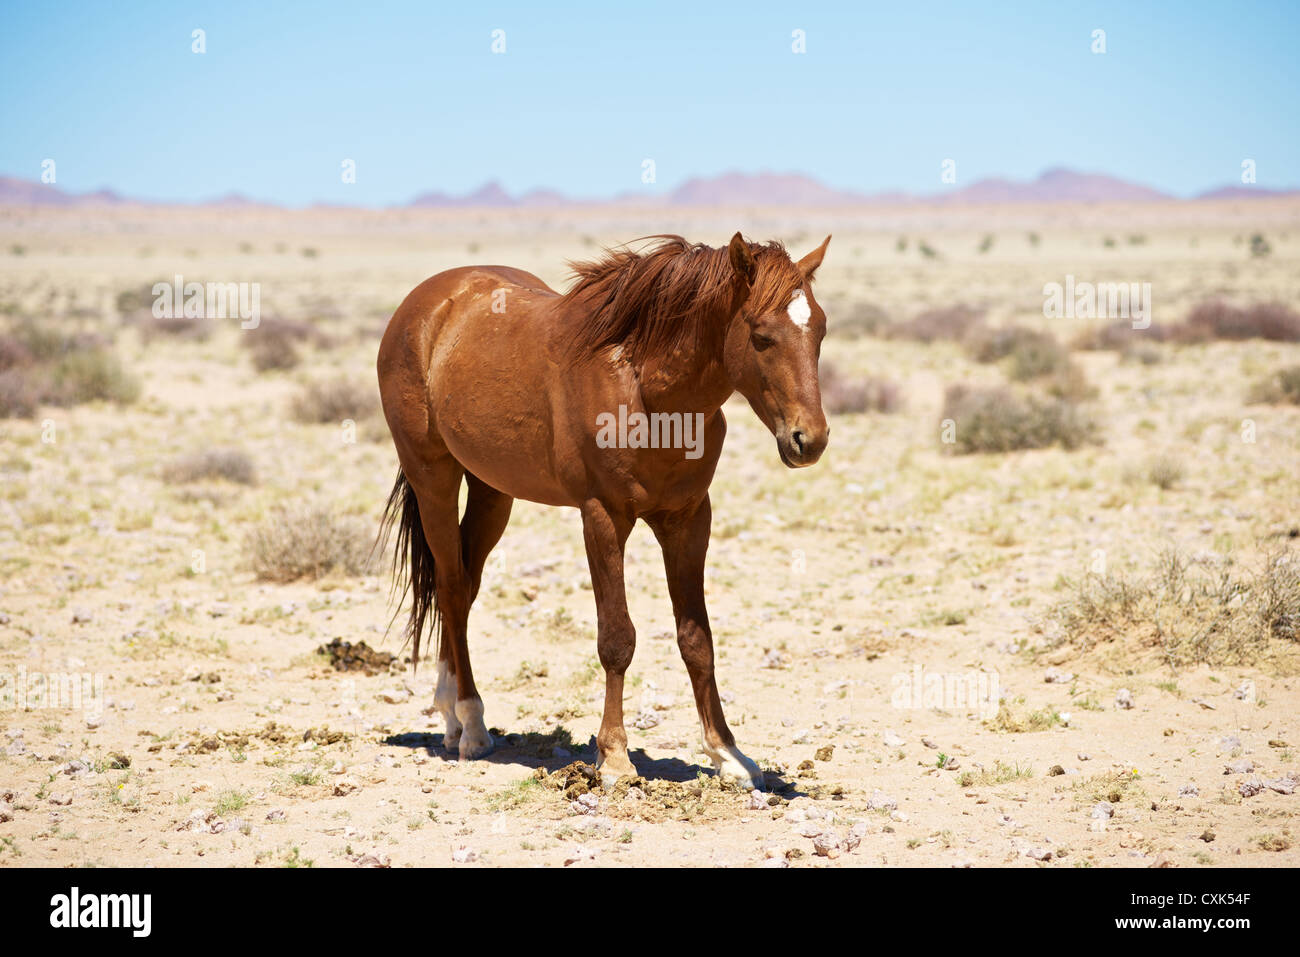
(757, 800)
(1244, 766)
(1039, 854)
(1055, 676)
(344, 786)
(1124, 699)
(464, 855)
(276, 814)
(6, 812)
(1102, 810)
(1189, 790)
(891, 740)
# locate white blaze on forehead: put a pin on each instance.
(799, 311)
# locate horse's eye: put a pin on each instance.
(761, 341)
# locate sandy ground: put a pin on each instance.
(226, 740)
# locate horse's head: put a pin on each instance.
(773, 345)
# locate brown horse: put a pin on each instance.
(607, 398)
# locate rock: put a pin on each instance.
(1230, 743)
(1250, 787)
(1055, 676)
(855, 835)
(826, 845)
(880, 801)
(891, 740)
(1207, 835)
(898, 817)
(1102, 810)
(1124, 699)
(95, 721)
(465, 855)
(1244, 766)
(646, 720)
(371, 860)
(585, 803)
(1189, 790)
(81, 617)
(276, 814)
(6, 812)
(344, 786)
(757, 800)
(772, 659)
(1039, 854)
(808, 829)
(825, 753)
(1283, 785)
(396, 696)
(61, 798)
(929, 744)
(1055, 771)
(776, 862)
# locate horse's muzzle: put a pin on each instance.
(800, 448)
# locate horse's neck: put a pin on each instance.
(687, 381)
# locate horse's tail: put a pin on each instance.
(412, 565)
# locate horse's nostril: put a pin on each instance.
(797, 438)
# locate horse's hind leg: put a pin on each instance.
(436, 481)
(487, 512)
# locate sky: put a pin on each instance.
(584, 93)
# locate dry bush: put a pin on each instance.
(1190, 612)
(843, 395)
(1119, 336)
(19, 394)
(308, 540)
(88, 375)
(857, 320)
(951, 323)
(1278, 388)
(334, 400)
(232, 465)
(14, 352)
(1165, 471)
(996, 419)
(1216, 319)
(184, 329)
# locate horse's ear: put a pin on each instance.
(742, 260)
(808, 265)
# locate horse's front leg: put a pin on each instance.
(684, 537)
(605, 534)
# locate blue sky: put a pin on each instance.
(414, 94)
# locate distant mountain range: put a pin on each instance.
(729, 189)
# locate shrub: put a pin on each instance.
(1120, 335)
(175, 327)
(860, 319)
(844, 395)
(952, 323)
(13, 352)
(308, 541)
(1190, 612)
(1282, 386)
(87, 375)
(229, 464)
(334, 400)
(1217, 319)
(19, 394)
(1165, 471)
(996, 419)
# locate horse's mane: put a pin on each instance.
(661, 299)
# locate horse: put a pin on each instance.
(491, 378)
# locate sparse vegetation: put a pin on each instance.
(308, 540)
(232, 465)
(842, 394)
(334, 400)
(1278, 388)
(1189, 612)
(997, 419)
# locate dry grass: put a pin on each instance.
(1189, 612)
(42, 365)
(308, 540)
(997, 419)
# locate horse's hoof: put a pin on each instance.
(451, 739)
(731, 764)
(615, 767)
(475, 741)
